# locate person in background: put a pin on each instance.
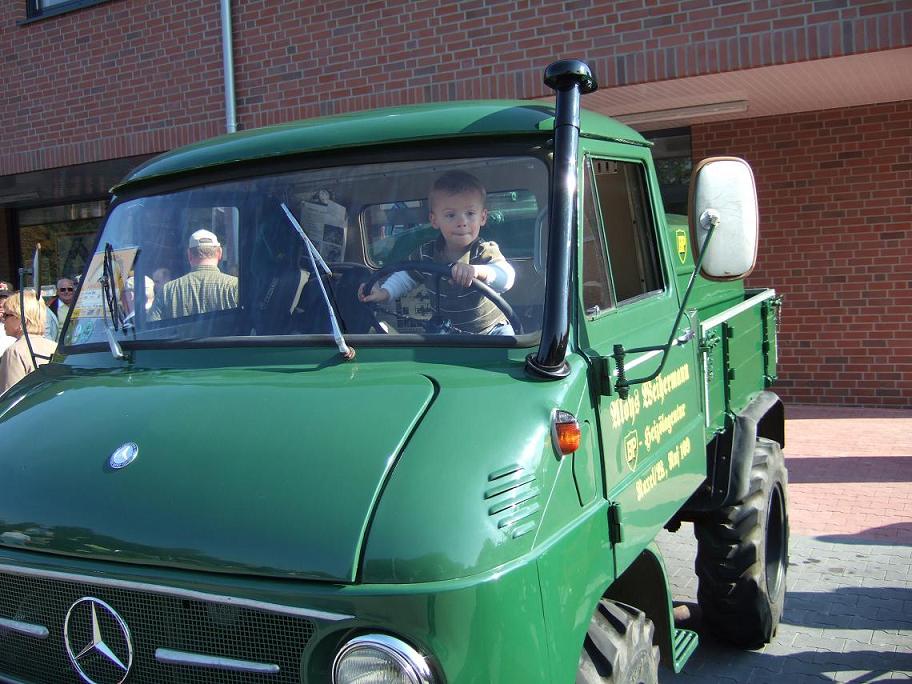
(205, 288)
(60, 305)
(128, 300)
(5, 340)
(160, 276)
(16, 361)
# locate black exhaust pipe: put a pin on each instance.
(569, 78)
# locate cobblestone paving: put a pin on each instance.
(848, 607)
(847, 618)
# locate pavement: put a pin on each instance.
(848, 606)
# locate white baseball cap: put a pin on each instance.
(203, 238)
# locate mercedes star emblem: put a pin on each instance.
(124, 455)
(97, 642)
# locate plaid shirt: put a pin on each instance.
(202, 290)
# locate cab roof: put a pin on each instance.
(391, 125)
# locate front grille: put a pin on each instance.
(156, 621)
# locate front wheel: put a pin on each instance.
(742, 555)
(618, 648)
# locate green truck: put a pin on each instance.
(261, 477)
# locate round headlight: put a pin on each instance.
(380, 659)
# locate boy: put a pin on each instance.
(457, 209)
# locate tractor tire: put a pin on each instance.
(618, 648)
(742, 555)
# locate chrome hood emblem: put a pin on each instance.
(124, 455)
(97, 642)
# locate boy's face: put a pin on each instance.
(458, 217)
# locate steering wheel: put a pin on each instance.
(434, 268)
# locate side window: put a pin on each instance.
(596, 281)
(629, 232)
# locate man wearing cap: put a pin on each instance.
(204, 288)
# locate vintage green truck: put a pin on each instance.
(295, 486)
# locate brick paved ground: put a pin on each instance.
(848, 610)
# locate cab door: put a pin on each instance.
(652, 441)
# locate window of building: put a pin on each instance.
(43, 8)
(66, 234)
(674, 163)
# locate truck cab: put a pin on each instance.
(275, 481)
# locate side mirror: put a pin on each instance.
(723, 192)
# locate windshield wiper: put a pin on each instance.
(109, 303)
(36, 283)
(347, 352)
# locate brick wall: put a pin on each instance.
(131, 77)
(835, 193)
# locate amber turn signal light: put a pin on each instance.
(566, 432)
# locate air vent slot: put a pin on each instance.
(511, 497)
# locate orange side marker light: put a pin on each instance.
(566, 432)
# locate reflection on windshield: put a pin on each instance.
(402, 242)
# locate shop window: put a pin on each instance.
(66, 234)
(674, 164)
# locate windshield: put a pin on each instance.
(385, 247)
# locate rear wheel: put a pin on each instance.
(742, 555)
(618, 648)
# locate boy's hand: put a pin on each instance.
(462, 274)
(377, 294)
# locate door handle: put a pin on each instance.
(684, 337)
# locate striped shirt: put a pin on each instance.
(465, 308)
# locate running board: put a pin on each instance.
(685, 643)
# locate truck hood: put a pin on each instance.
(267, 471)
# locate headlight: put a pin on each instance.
(380, 659)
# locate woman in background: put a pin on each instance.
(16, 361)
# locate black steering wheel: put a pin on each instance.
(434, 268)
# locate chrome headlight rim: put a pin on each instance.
(414, 664)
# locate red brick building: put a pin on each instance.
(817, 96)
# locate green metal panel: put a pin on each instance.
(744, 345)
(652, 441)
(575, 570)
(469, 492)
(270, 482)
(394, 125)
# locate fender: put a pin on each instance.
(730, 454)
(644, 585)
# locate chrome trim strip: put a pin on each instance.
(638, 361)
(521, 515)
(172, 657)
(181, 593)
(723, 316)
(24, 628)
